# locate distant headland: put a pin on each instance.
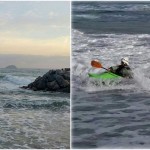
(11, 67)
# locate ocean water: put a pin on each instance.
(31, 119)
(115, 115)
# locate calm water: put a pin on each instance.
(30, 119)
(116, 115)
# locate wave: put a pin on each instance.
(141, 79)
(111, 7)
(17, 80)
(102, 46)
(95, 13)
(139, 83)
(88, 48)
(36, 105)
(2, 76)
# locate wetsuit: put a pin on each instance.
(122, 70)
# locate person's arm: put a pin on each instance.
(113, 69)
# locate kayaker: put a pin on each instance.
(123, 69)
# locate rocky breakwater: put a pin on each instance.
(54, 80)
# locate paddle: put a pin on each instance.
(97, 64)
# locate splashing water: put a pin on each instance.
(141, 79)
(119, 45)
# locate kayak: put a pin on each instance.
(104, 75)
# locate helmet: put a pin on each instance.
(125, 60)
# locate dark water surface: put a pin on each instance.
(108, 17)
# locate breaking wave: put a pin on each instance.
(16, 79)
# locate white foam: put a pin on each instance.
(109, 49)
(141, 79)
(35, 127)
(18, 80)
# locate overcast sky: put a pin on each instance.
(34, 28)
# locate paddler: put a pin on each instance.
(123, 69)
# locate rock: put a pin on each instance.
(66, 76)
(61, 81)
(53, 86)
(66, 90)
(53, 80)
(24, 87)
(11, 67)
(41, 85)
(34, 88)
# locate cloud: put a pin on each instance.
(35, 26)
(50, 47)
(31, 28)
(5, 18)
(52, 14)
(31, 14)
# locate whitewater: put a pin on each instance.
(31, 119)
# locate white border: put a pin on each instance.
(70, 75)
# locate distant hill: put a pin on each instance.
(11, 67)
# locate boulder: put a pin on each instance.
(41, 85)
(61, 81)
(53, 86)
(53, 80)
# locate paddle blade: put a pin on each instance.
(96, 64)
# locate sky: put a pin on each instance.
(34, 29)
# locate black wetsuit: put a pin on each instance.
(122, 70)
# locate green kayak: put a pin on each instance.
(104, 75)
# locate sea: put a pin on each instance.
(32, 119)
(117, 114)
